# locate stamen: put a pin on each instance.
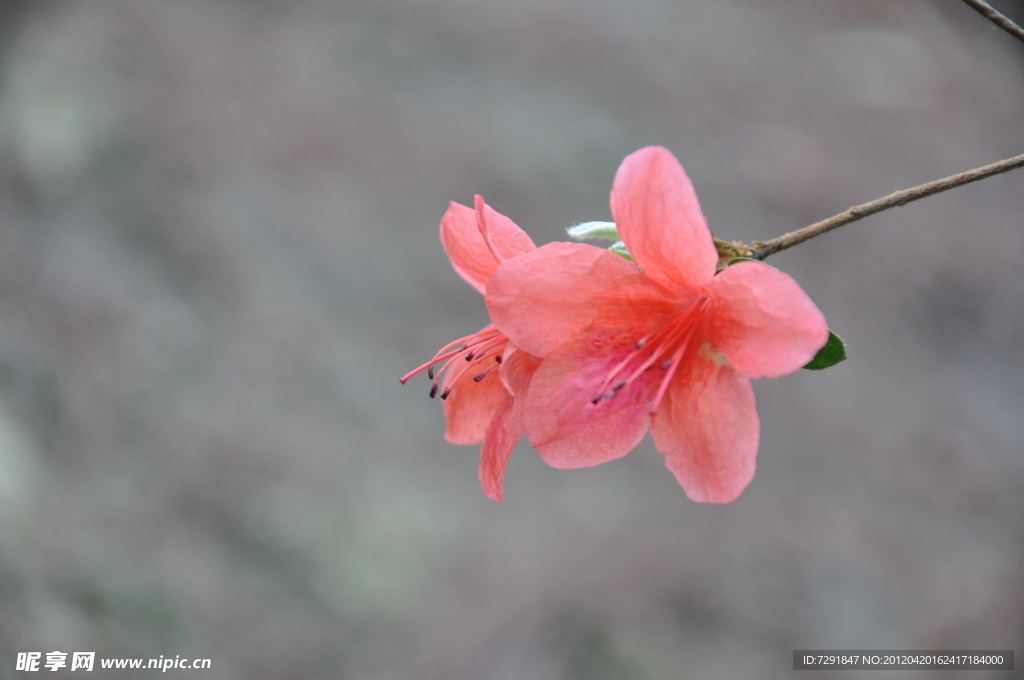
(430, 364)
(474, 348)
(478, 378)
(489, 345)
(450, 345)
(677, 330)
(459, 375)
(668, 376)
(445, 367)
(451, 350)
(677, 356)
(622, 364)
(672, 338)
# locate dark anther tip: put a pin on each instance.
(433, 391)
(498, 358)
(478, 378)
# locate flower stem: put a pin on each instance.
(1000, 20)
(762, 250)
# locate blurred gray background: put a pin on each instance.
(219, 251)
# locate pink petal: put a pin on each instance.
(497, 449)
(762, 321)
(462, 240)
(550, 296)
(708, 429)
(516, 372)
(510, 372)
(565, 426)
(503, 238)
(660, 221)
(472, 406)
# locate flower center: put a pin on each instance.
(480, 352)
(664, 348)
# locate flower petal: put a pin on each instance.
(503, 238)
(763, 321)
(497, 449)
(516, 373)
(660, 221)
(708, 429)
(548, 297)
(564, 424)
(472, 406)
(465, 246)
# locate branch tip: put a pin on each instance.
(900, 198)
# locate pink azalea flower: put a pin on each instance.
(481, 375)
(665, 342)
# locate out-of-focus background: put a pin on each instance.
(219, 251)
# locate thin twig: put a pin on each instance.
(993, 15)
(762, 250)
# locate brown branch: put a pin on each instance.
(762, 250)
(1000, 20)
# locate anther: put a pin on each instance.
(469, 357)
(619, 386)
(447, 390)
(641, 343)
(478, 378)
(430, 371)
(498, 358)
(666, 364)
(433, 391)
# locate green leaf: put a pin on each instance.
(619, 248)
(831, 354)
(741, 259)
(594, 230)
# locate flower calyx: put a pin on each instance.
(729, 252)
